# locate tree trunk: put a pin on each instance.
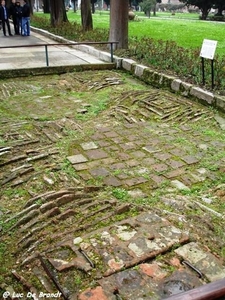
(205, 12)
(86, 17)
(58, 12)
(46, 6)
(93, 7)
(220, 10)
(119, 23)
(154, 10)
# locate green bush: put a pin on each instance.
(217, 18)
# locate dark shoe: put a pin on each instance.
(10, 34)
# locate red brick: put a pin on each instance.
(93, 294)
(153, 270)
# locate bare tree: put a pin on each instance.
(58, 12)
(119, 23)
(86, 16)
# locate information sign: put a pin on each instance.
(208, 49)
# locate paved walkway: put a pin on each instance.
(31, 57)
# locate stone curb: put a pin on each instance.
(149, 75)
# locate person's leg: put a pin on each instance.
(17, 29)
(28, 26)
(8, 26)
(15, 25)
(3, 27)
(20, 26)
(23, 26)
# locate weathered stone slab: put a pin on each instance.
(131, 244)
(128, 63)
(99, 172)
(159, 167)
(203, 95)
(207, 263)
(76, 159)
(175, 164)
(162, 156)
(89, 146)
(175, 85)
(113, 181)
(111, 134)
(139, 70)
(189, 159)
(179, 185)
(220, 102)
(96, 154)
(174, 173)
(134, 181)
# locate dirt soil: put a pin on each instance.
(82, 152)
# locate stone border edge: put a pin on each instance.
(148, 75)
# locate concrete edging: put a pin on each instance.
(149, 75)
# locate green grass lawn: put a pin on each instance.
(183, 28)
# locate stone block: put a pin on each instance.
(89, 145)
(185, 88)
(175, 85)
(139, 70)
(118, 61)
(105, 56)
(112, 181)
(220, 102)
(96, 154)
(204, 96)
(127, 64)
(147, 75)
(166, 81)
(76, 159)
(209, 265)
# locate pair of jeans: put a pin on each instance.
(26, 26)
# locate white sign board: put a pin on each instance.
(208, 49)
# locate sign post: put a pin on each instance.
(208, 51)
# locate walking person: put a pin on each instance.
(4, 17)
(26, 19)
(12, 12)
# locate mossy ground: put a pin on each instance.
(31, 109)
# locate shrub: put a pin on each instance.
(217, 18)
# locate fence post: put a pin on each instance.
(46, 55)
(111, 50)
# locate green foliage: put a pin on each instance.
(120, 193)
(71, 30)
(150, 44)
(217, 18)
(168, 56)
(147, 5)
(171, 7)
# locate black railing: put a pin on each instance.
(63, 44)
